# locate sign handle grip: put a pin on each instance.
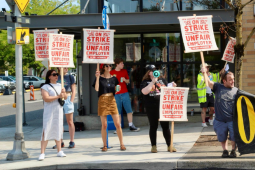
(203, 63)
(172, 137)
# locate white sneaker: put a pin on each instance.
(115, 132)
(61, 154)
(204, 125)
(41, 157)
(210, 122)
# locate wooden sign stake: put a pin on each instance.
(48, 59)
(203, 63)
(172, 137)
(62, 75)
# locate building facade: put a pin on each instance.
(153, 36)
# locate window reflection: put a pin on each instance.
(160, 5)
(200, 4)
(127, 47)
(122, 6)
(162, 47)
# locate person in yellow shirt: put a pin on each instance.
(205, 94)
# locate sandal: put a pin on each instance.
(122, 148)
(104, 149)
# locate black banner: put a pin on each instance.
(244, 122)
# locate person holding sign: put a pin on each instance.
(225, 98)
(52, 113)
(150, 88)
(205, 94)
(106, 85)
(122, 97)
(68, 106)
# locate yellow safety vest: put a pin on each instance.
(201, 87)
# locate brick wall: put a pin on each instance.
(248, 78)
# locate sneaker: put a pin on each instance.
(211, 122)
(71, 145)
(154, 149)
(61, 154)
(41, 157)
(232, 154)
(133, 128)
(204, 125)
(115, 132)
(168, 149)
(62, 145)
(225, 154)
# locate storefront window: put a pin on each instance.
(209, 55)
(122, 6)
(163, 47)
(188, 5)
(160, 5)
(127, 47)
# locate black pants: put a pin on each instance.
(153, 116)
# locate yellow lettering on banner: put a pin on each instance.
(251, 116)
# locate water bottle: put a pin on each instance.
(192, 112)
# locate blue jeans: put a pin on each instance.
(123, 99)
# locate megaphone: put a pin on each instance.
(156, 73)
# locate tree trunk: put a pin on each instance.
(239, 48)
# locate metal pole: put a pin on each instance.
(19, 151)
(23, 98)
(57, 7)
(77, 77)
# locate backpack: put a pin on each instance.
(79, 126)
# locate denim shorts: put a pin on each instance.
(68, 106)
(123, 99)
(222, 129)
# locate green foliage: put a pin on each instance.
(42, 7)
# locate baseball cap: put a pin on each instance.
(150, 67)
(206, 65)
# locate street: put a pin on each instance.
(33, 109)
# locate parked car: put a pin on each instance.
(37, 81)
(5, 83)
(2, 85)
(12, 81)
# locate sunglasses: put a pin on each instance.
(108, 65)
(54, 74)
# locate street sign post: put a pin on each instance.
(22, 35)
(19, 151)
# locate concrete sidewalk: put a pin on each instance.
(87, 153)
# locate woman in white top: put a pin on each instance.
(52, 114)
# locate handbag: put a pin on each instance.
(60, 101)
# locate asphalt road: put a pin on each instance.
(33, 109)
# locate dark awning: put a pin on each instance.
(122, 22)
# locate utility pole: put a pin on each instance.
(19, 151)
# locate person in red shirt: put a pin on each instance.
(122, 97)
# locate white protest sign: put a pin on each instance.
(173, 104)
(229, 53)
(41, 43)
(197, 33)
(98, 46)
(61, 50)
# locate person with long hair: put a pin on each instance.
(69, 84)
(106, 84)
(52, 113)
(150, 88)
